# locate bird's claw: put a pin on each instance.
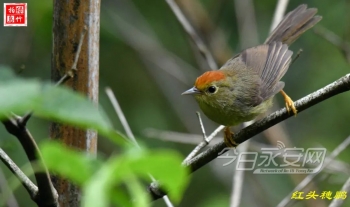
(290, 107)
(228, 138)
(289, 103)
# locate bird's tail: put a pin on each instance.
(294, 24)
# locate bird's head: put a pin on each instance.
(211, 86)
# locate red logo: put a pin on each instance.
(15, 14)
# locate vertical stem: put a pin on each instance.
(69, 19)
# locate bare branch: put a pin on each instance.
(192, 33)
(279, 13)
(338, 42)
(238, 178)
(136, 32)
(246, 21)
(129, 133)
(70, 73)
(202, 144)
(248, 34)
(205, 141)
(336, 166)
(339, 202)
(337, 87)
(310, 177)
(26, 182)
(121, 115)
(47, 193)
(202, 126)
(8, 197)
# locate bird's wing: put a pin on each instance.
(270, 62)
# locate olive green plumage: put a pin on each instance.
(244, 86)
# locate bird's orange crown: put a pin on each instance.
(208, 77)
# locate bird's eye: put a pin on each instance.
(212, 89)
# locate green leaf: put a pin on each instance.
(164, 165)
(137, 192)
(76, 166)
(100, 187)
(51, 102)
(120, 198)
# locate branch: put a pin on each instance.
(26, 182)
(129, 133)
(238, 179)
(70, 73)
(45, 194)
(206, 140)
(336, 166)
(279, 13)
(334, 39)
(342, 146)
(337, 87)
(204, 143)
(121, 116)
(339, 202)
(203, 49)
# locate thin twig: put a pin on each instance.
(248, 34)
(128, 131)
(310, 177)
(246, 21)
(70, 73)
(177, 137)
(9, 199)
(47, 194)
(279, 13)
(238, 175)
(333, 38)
(121, 115)
(149, 48)
(339, 202)
(238, 178)
(202, 126)
(336, 166)
(206, 22)
(136, 32)
(271, 132)
(16, 126)
(205, 140)
(31, 188)
(297, 55)
(192, 33)
(7, 195)
(337, 87)
(202, 144)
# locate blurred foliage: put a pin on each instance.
(150, 97)
(98, 177)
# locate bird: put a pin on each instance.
(243, 88)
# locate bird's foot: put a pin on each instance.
(228, 138)
(289, 103)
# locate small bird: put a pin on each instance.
(244, 86)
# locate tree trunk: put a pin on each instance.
(69, 19)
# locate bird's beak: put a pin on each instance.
(191, 91)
